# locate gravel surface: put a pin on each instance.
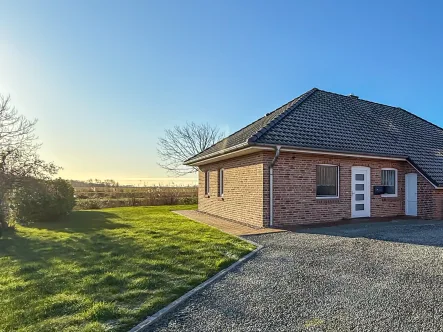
(345, 278)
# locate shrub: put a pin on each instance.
(88, 204)
(42, 200)
(188, 200)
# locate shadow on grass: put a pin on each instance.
(82, 222)
(79, 237)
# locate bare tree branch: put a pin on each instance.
(183, 142)
(19, 159)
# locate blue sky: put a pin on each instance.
(105, 78)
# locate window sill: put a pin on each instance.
(389, 196)
(220, 198)
(327, 200)
(207, 196)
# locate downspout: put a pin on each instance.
(271, 186)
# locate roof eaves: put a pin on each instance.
(277, 119)
(216, 153)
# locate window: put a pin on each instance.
(359, 187)
(221, 182)
(389, 181)
(327, 181)
(207, 183)
(360, 197)
(359, 177)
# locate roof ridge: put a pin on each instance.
(361, 99)
(277, 119)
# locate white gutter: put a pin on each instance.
(271, 186)
(229, 155)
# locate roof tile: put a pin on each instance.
(328, 121)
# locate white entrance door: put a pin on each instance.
(361, 193)
(411, 194)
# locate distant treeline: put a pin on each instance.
(96, 183)
(109, 183)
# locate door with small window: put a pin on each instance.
(361, 201)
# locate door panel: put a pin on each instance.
(361, 195)
(411, 199)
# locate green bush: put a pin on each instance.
(88, 204)
(42, 200)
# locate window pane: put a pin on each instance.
(326, 191)
(220, 182)
(359, 187)
(390, 190)
(207, 183)
(388, 178)
(327, 181)
(360, 177)
(359, 207)
(360, 197)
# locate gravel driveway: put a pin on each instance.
(367, 277)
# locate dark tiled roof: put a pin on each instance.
(327, 121)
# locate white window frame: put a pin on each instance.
(221, 182)
(396, 182)
(338, 182)
(207, 187)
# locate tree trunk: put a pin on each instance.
(3, 222)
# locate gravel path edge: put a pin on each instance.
(152, 319)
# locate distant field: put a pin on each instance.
(107, 197)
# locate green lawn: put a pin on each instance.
(107, 269)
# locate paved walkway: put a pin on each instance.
(225, 225)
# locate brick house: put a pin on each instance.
(324, 157)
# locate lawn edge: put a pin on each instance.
(171, 306)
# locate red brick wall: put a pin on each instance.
(295, 199)
(243, 190)
(430, 200)
(438, 204)
(246, 195)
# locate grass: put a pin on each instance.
(106, 270)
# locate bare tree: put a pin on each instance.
(183, 142)
(19, 159)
